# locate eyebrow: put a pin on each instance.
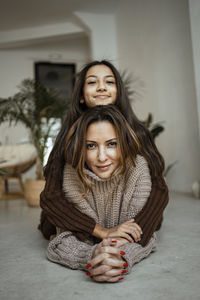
(105, 141)
(97, 76)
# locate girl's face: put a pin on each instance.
(102, 149)
(100, 86)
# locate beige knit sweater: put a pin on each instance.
(110, 202)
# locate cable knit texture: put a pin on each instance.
(67, 250)
(110, 202)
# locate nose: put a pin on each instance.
(101, 86)
(102, 156)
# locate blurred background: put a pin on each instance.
(156, 42)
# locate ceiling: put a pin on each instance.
(19, 14)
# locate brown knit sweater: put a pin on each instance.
(57, 211)
(110, 202)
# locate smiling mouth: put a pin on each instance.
(102, 96)
(103, 167)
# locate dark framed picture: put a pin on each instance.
(58, 76)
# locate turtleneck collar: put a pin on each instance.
(103, 185)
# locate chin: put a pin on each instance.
(106, 176)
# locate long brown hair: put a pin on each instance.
(148, 148)
(75, 152)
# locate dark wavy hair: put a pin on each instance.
(148, 147)
(75, 152)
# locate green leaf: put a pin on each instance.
(29, 106)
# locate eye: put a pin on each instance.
(90, 146)
(112, 144)
(110, 82)
(91, 82)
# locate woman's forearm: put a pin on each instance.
(67, 250)
(134, 252)
(100, 232)
(59, 212)
(150, 217)
(128, 230)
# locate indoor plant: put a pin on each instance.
(38, 108)
(134, 86)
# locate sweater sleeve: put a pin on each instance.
(135, 252)
(67, 250)
(150, 217)
(58, 212)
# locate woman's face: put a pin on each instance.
(102, 149)
(100, 86)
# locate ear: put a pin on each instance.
(82, 101)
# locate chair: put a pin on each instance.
(15, 160)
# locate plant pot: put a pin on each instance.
(196, 189)
(1, 187)
(33, 188)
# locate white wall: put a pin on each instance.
(17, 64)
(102, 33)
(195, 31)
(154, 43)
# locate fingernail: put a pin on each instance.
(88, 266)
(114, 241)
(120, 278)
(88, 273)
(122, 252)
(124, 271)
(125, 265)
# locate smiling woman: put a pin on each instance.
(110, 182)
(102, 154)
(102, 139)
(100, 86)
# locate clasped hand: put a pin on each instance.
(108, 264)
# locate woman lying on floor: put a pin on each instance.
(108, 179)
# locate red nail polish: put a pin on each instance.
(122, 252)
(88, 266)
(114, 241)
(124, 271)
(125, 265)
(120, 278)
(88, 273)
